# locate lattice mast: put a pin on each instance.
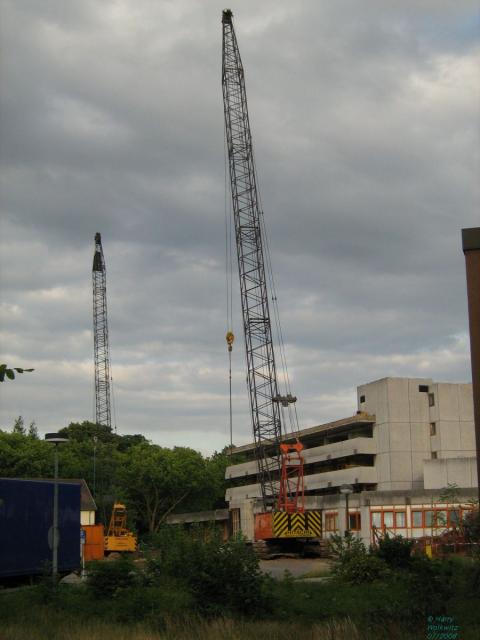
(100, 337)
(261, 370)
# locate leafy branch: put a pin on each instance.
(10, 373)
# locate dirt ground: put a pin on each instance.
(298, 567)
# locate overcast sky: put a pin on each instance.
(365, 123)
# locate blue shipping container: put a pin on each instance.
(26, 523)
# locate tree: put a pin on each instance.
(157, 480)
(19, 426)
(24, 457)
(86, 430)
(32, 430)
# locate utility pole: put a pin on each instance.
(55, 439)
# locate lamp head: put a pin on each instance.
(346, 489)
(55, 438)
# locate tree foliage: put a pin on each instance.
(153, 481)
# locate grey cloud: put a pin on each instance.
(364, 122)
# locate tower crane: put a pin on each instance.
(280, 465)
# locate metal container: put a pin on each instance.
(26, 519)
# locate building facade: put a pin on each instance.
(408, 453)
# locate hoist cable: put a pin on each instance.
(228, 282)
(293, 416)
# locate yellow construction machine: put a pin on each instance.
(118, 537)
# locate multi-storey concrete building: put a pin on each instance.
(409, 441)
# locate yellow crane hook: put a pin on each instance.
(230, 338)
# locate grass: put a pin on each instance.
(220, 629)
(325, 572)
(312, 611)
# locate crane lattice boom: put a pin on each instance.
(100, 337)
(261, 371)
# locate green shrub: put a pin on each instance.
(395, 551)
(340, 545)
(356, 564)
(107, 577)
(358, 568)
(223, 577)
(431, 584)
(471, 526)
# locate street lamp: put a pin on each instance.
(95, 440)
(55, 439)
(346, 489)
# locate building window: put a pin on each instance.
(434, 455)
(377, 519)
(454, 517)
(235, 522)
(431, 400)
(354, 521)
(423, 388)
(362, 399)
(417, 519)
(466, 511)
(433, 429)
(331, 522)
(429, 518)
(441, 518)
(382, 519)
(400, 519)
(388, 519)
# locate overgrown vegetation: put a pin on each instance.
(222, 577)
(184, 588)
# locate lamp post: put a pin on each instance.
(95, 440)
(55, 439)
(346, 489)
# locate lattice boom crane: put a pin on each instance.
(280, 465)
(261, 370)
(100, 337)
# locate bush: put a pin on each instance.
(395, 551)
(471, 526)
(106, 578)
(356, 564)
(223, 577)
(431, 584)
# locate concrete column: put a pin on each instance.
(471, 249)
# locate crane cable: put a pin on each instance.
(229, 286)
(292, 421)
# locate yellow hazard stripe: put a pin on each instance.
(280, 523)
(302, 525)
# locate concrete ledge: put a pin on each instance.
(198, 516)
